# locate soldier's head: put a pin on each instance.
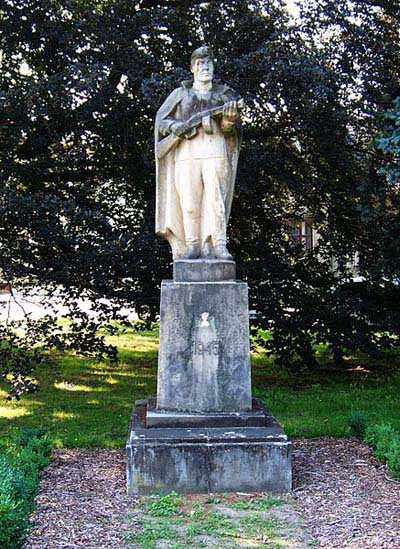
(202, 64)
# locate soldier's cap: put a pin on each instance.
(203, 51)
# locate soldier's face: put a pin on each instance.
(203, 69)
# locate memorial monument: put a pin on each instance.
(203, 432)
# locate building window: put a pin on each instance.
(302, 231)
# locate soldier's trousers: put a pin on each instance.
(201, 184)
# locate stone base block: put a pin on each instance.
(207, 459)
(204, 350)
(204, 270)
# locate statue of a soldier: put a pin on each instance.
(197, 140)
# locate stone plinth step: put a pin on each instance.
(204, 270)
(207, 459)
(152, 417)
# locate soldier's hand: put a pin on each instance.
(180, 128)
(230, 111)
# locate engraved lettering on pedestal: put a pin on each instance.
(212, 348)
(205, 358)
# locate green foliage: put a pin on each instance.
(20, 354)
(393, 457)
(79, 87)
(380, 438)
(202, 522)
(386, 444)
(163, 506)
(153, 531)
(14, 510)
(389, 143)
(20, 465)
(25, 437)
(357, 425)
(258, 504)
(212, 500)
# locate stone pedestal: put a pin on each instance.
(203, 432)
(203, 453)
(204, 355)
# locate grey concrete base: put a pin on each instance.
(204, 351)
(150, 417)
(204, 270)
(207, 459)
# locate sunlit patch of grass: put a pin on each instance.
(65, 406)
(66, 386)
(141, 342)
(63, 415)
(258, 504)
(111, 380)
(11, 413)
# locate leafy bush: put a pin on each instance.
(14, 511)
(380, 438)
(20, 465)
(386, 443)
(393, 458)
(357, 425)
(25, 437)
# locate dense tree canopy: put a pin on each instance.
(79, 86)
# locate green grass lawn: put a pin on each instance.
(85, 403)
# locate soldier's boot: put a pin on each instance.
(207, 251)
(221, 252)
(192, 252)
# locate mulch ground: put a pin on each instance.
(342, 494)
(81, 501)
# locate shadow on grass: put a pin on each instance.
(86, 403)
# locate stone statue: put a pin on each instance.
(203, 432)
(197, 141)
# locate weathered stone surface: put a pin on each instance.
(211, 419)
(258, 416)
(197, 142)
(204, 353)
(201, 460)
(203, 435)
(204, 270)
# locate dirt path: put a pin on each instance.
(342, 498)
